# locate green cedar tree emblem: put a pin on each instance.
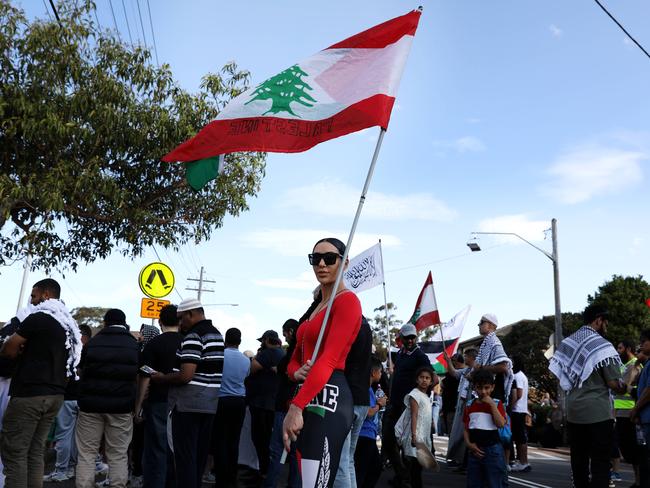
(283, 89)
(415, 317)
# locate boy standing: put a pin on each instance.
(367, 460)
(483, 417)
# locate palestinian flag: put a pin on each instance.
(447, 337)
(426, 308)
(347, 87)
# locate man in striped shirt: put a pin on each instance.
(194, 391)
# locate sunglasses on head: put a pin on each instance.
(329, 258)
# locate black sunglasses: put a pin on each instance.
(329, 258)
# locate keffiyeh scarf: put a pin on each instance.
(57, 310)
(490, 353)
(148, 332)
(578, 356)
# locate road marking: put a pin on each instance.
(528, 483)
(541, 455)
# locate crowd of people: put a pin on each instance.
(167, 407)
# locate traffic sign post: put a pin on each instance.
(156, 280)
(150, 307)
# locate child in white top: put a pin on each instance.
(418, 418)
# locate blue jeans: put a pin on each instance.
(275, 449)
(489, 471)
(66, 447)
(345, 475)
(156, 450)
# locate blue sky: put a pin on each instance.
(509, 114)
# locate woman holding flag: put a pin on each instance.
(320, 416)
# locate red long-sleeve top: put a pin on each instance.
(342, 329)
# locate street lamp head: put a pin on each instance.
(473, 245)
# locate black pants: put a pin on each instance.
(327, 422)
(225, 439)
(367, 462)
(590, 449)
(261, 430)
(389, 447)
(415, 471)
(137, 448)
(191, 438)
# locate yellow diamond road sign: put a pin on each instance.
(156, 280)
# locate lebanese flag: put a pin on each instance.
(426, 308)
(446, 338)
(345, 88)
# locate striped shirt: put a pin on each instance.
(203, 346)
(479, 422)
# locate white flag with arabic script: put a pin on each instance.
(365, 270)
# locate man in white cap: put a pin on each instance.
(408, 360)
(194, 391)
(493, 358)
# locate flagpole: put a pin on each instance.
(339, 275)
(383, 283)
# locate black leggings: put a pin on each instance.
(327, 421)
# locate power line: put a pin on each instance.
(623, 28)
(457, 256)
(128, 28)
(141, 24)
(153, 36)
(56, 14)
(99, 26)
(134, 14)
(47, 10)
(110, 2)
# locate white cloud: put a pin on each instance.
(473, 120)
(531, 230)
(637, 245)
(584, 172)
(299, 243)
(555, 31)
(342, 200)
(462, 144)
(305, 281)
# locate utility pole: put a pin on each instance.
(200, 288)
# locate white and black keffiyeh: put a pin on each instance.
(492, 352)
(57, 310)
(578, 356)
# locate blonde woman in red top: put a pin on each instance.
(320, 415)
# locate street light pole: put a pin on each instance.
(557, 336)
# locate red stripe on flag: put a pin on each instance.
(451, 348)
(382, 35)
(275, 134)
(427, 320)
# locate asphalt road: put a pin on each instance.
(550, 469)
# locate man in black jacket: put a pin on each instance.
(106, 400)
(409, 359)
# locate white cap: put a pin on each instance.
(188, 304)
(490, 317)
(408, 330)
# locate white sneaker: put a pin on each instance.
(101, 468)
(56, 477)
(209, 478)
(103, 484)
(136, 481)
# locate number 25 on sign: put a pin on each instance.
(150, 307)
